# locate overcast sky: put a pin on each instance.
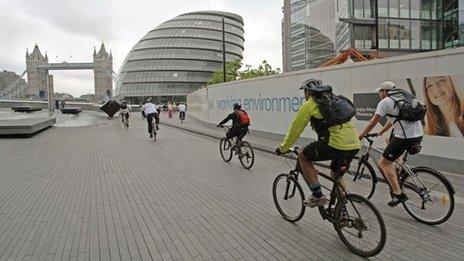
(67, 28)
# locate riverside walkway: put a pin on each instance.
(97, 192)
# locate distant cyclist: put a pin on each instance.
(182, 108)
(406, 135)
(240, 122)
(334, 142)
(124, 112)
(150, 111)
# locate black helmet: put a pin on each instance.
(237, 105)
(322, 88)
(310, 83)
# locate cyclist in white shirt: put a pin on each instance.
(182, 108)
(151, 111)
(405, 134)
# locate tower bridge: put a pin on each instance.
(40, 81)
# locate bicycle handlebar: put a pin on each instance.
(369, 137)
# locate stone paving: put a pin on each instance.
(101, 193)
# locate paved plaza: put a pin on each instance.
(92, 191)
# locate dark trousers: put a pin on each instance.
(182, 114)
(126, 115)
(150, 120)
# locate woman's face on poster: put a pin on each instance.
(439, 89)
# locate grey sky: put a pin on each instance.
(73, 27)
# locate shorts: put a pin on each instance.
(237, 132)
(319, 151)
(397, 146)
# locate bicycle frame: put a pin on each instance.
(336, 193)
(404, 169)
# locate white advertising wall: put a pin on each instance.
(272, 101)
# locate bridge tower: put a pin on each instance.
(103, 69)
(36, 77)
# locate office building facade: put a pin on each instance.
(392, 27)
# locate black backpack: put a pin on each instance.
(335, 109)
(411, 109)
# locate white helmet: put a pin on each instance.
(387, 86)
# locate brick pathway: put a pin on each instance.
(101, 193)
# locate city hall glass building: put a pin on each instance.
(179, 56)
(393, 27)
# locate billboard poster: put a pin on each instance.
(441, 94)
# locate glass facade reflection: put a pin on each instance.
(179, 56)
(312, 33)
(391, 26)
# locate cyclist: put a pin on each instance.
(124, 112)
(182, 108)
(151, 111)
(404, 135)
(240, 122)
(334, 143)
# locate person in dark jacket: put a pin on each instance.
(238, 129)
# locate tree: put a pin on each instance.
(232, 68)
(262, 70)
(233, 73)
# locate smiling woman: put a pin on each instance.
(445, 110)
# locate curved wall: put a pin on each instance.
(180, 55)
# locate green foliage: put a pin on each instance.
(232, 68)
(233, 73)
(262, 70)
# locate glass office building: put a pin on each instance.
(392, 27)
(179, 56)
(312, 33)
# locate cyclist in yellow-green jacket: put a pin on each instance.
(334, 143)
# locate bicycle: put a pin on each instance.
(431, 195)
(241, 148)
(345, 211)
(125, 122)
(182, 116)
(154, 132)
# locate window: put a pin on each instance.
(404, 8)
(369, 37)
(434, 7)
(358, 8)
(394, 33)
(415, 34)
(434, 35)
(426, 6)
(426, 35)
(394, 4)
(383, 33)
(383, 8)
(405, 34)
(450, 29)
(415, 8)
(368, 12)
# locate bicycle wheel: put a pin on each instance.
(288, 197)
(225, 148)
(360, 178)
(360, 225)
(247, 156)
(431, 197)
(154, 132)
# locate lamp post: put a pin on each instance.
(223, 51)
